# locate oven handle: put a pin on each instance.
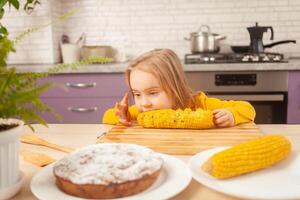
(250, 97)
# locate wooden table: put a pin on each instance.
(78, 135)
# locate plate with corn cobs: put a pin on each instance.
(264, 168)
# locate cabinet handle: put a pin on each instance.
(79, 109)
(81, 85)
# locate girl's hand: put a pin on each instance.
(223, 118)
(122, 111)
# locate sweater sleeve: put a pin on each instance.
(242, 111)
(109, 117)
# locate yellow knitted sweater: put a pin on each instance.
(241, 110)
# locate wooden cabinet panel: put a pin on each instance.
(294, 98)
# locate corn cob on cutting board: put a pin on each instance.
(182, 141)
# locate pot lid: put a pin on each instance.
(204, 30)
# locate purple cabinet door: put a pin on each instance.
(294, 98)
(79, 110)
(86, 85)
(83, 98)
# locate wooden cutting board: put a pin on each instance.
(181, 141)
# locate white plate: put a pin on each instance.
(175, 177)
(281, 181)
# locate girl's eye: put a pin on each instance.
(153, 93)
(136, 95)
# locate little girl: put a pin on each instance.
(157, 81)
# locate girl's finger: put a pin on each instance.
(125, 122)
(216, 110)
(219, 112)
(224, 124)
(222, 119)
(117, 105)
(125, 99)
(118, 113)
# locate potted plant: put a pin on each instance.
(20, 103)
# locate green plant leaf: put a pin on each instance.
(15, 3)
(20, 92)
(1, 13)
(30, 5)
(3, 30)
(5, 81)
(29, 116)
(6, 46)
(2, 3)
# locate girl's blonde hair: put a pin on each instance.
(165, 65)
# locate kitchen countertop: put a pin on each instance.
(78, 135)
(293, 64)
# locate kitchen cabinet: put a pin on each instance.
(294, 97)
(83, 98)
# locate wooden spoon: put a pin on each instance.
(33, 139)
(36, 158)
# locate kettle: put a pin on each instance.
(256, 35)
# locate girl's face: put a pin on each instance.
(148, 93)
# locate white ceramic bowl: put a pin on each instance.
(9, 151)
(8, 192)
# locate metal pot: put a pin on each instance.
(205, 41)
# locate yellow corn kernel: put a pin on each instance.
(248, 156)
(168, 118)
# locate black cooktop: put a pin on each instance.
(206, 58)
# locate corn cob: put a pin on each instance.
(168, 118)
(248, 156)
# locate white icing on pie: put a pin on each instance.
(108, 163)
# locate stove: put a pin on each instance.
(206, 58)
(267, 91)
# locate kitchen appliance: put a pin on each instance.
(212, 58)
(256, 37)
(265, 90)
(204, 41)
(256, 40)
(246, 49)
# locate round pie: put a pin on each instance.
(108, 170)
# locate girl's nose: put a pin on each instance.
(146, 103)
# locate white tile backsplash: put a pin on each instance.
(136, 26)
(37, 47)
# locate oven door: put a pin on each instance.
(271, 108)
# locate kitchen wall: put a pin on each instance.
(38, 46)
(135, 26)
